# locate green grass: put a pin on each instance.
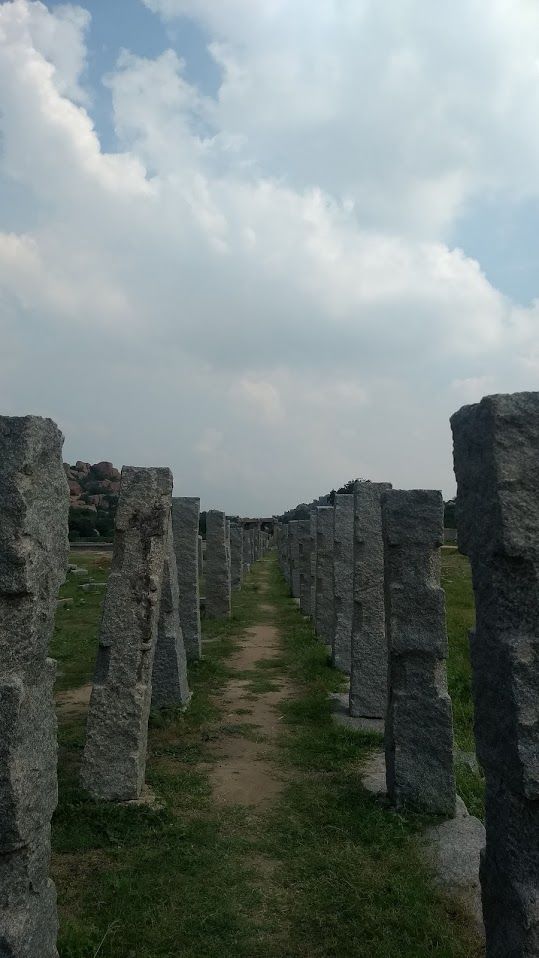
(456, 580)
(327, 871)
(74, 643)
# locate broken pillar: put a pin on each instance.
(170, 688)
(218, 585)
(324, 608)
(419, 722)
(114, 758)
(185, 520)
(368, 665)
(496, 455)
(343, 576)
(33, 561)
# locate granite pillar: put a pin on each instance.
(419, 722)
(33, 560)
(218, 585)
(114, 759)
(496, 454)
(185, 521)
(343, 575)
(325, 608)
(170, 688)
(368, 672)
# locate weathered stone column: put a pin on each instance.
(218, 586)
(313, 521)
(419, 722)
(236, 552)
(496, 448)
(169, 675)
(33, 559)
(293, 547)
(304, 561)
(185, 520)
(114, 759)
(200, 559)
(343, 575)
(368, 675)
(325, 609)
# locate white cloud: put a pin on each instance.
(257, 290)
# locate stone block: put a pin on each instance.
(324, 603)
(218, 584)
(170, 688)
(185, 522)
(343, 578)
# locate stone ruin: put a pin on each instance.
(114, 759)
(33, 561)
(170, 687)
(496, 452)
(419, 723)
(343, 578)
(324, 602)
(218, 584)
(185, 520)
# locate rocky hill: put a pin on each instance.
(93, 492)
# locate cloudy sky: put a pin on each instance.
(273, 244)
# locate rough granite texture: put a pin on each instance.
(419, 722)
(236, 552)
(368, 673)
(304, 541)
(293, 548)
(114, 759)
(285, 552)
(343, 575)
(313, 565)
(185, 519)
(324, 608)
(170, 688)
(218, 586)
(496, 455)
(34, 498)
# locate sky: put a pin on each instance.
(272, 244)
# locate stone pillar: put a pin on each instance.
(185, 520)
(218, 586)
(114, 759)
(325, 609)
(169, 675)
(236, 552)
(285, 553)
(200, 558)
(368, 673)
(496, 450)
(419, 722)
(313, 521)
(293, 548)
(33, 559)
(305, 546)
(343, 574)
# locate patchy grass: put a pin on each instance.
(326, 871)
(74, 644)
(457, 582)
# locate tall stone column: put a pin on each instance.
(368, 674)
(293, 546)
(304, 559)
(343, 575)
(185, 520)
(325, 608)
(218, 586)
(496, 451)
(169, 675)
(313, 521)
(419, 722)
(236, 553)
(114, 759)
(33, 560)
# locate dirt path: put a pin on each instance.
(245, 772)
